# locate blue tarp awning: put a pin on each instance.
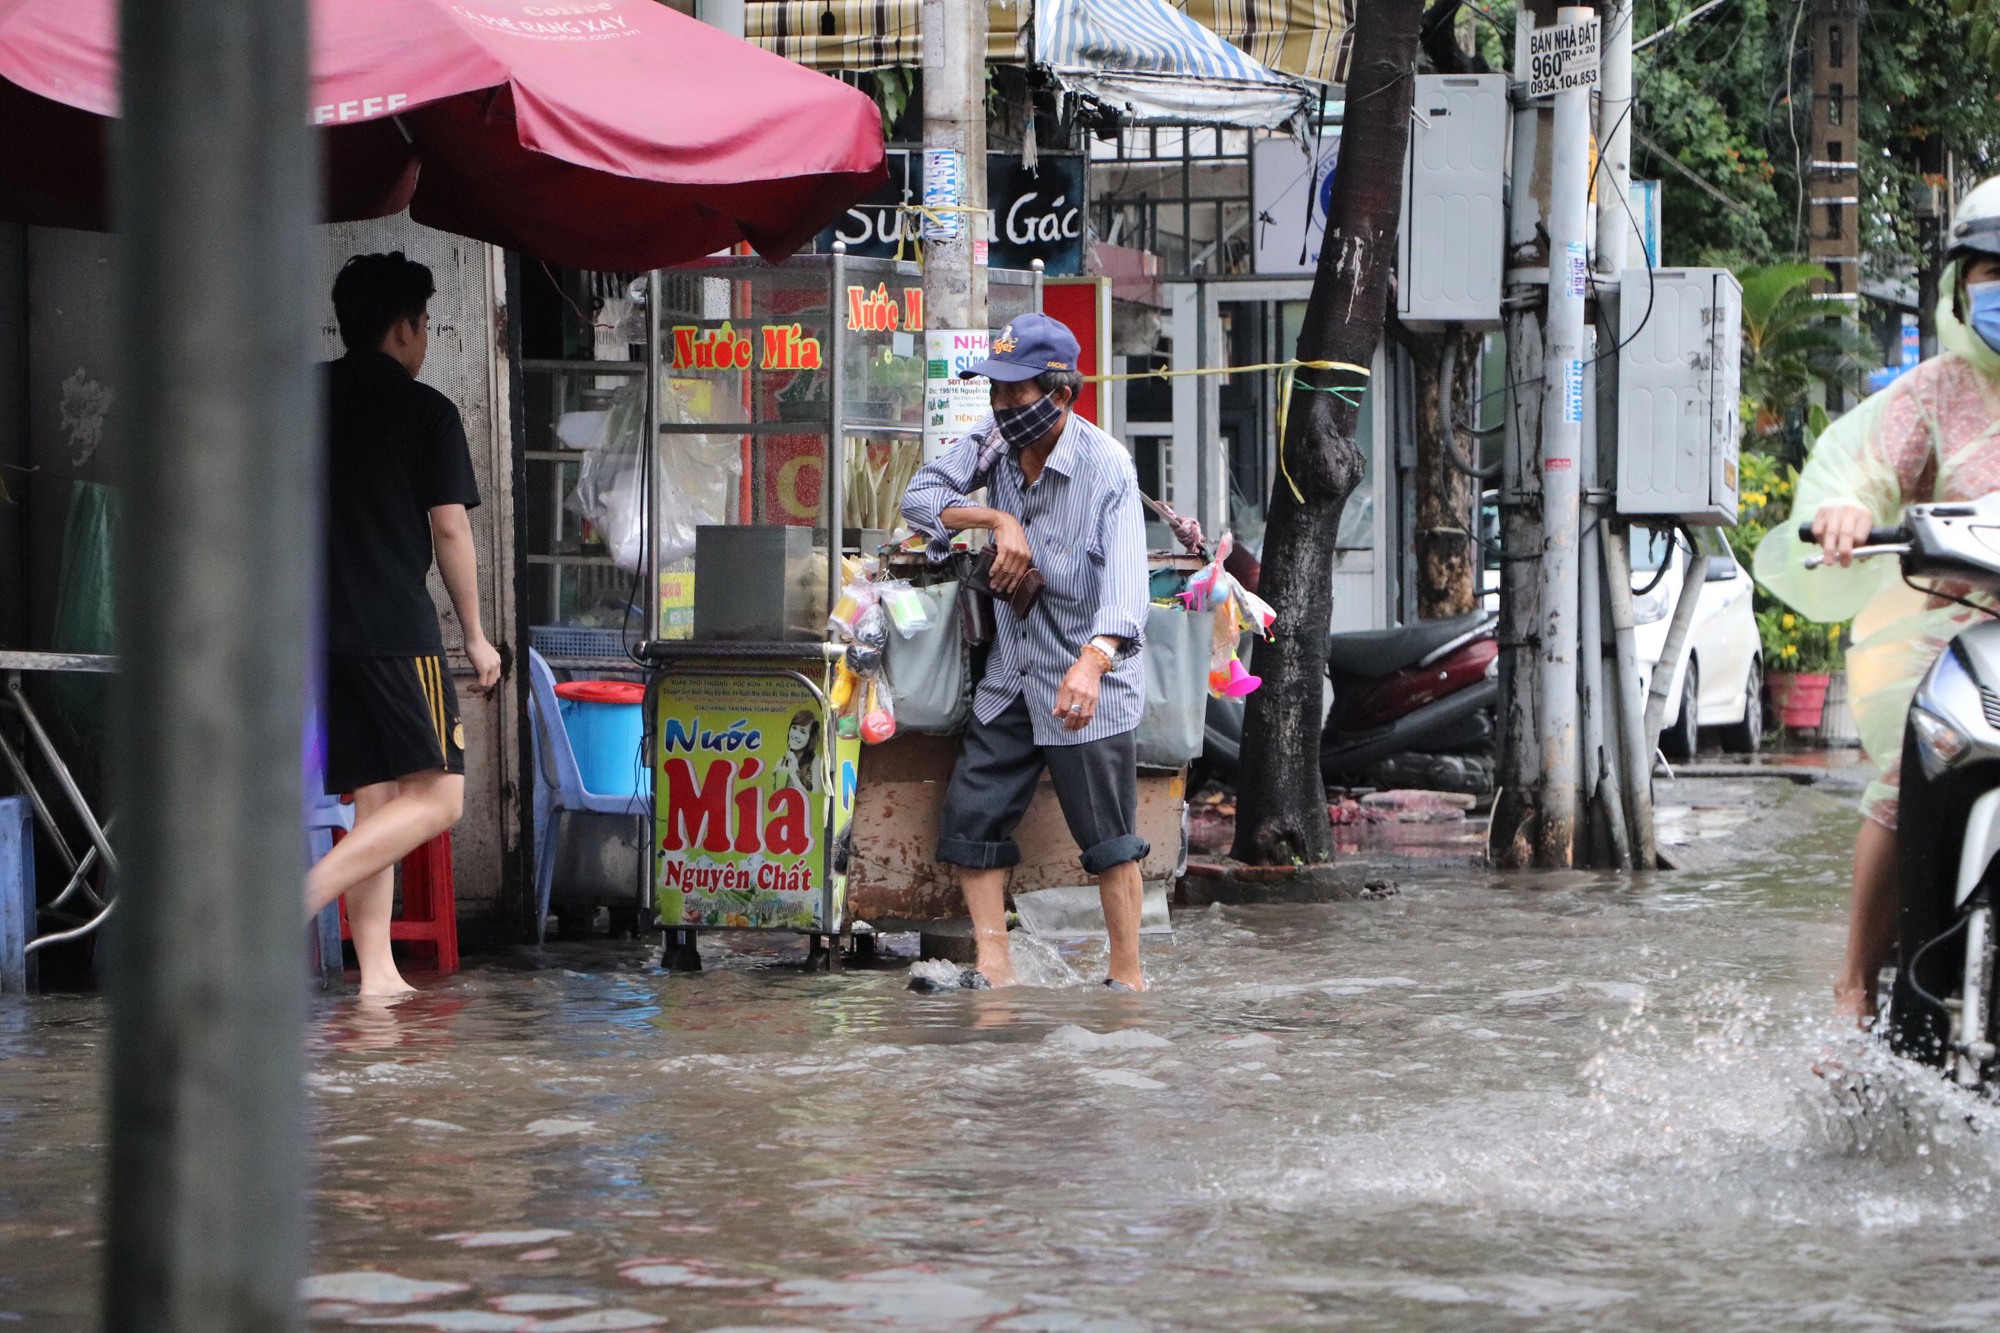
(1154, 65)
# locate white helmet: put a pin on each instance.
(1975, 227)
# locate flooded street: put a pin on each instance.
(1483, 1102)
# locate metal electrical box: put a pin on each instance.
(1452, 240)
(1680, 334)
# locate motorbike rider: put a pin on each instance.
(1932, 435)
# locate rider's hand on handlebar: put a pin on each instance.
(1839, 528)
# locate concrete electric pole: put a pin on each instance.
(215, 178)
(954, 166)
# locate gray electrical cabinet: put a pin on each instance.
(1452, 240)
(1680, 334)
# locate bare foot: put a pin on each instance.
(392, 987)
(998, 968)
(1854, 1003)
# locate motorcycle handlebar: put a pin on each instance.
(1876, 536)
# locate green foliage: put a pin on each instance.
(1763, 501)
(1793, 340)
(1793, 643)
(1715, 96)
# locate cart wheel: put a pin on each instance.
(574, 923)
(624, 923)
(864, 948)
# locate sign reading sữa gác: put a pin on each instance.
(744, 769)
(1562, 58)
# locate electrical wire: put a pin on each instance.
(1918, 957)
(1666, 560)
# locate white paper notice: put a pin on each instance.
(952, 406)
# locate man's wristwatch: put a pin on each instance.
(1107, 648)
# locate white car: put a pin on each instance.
(1723, 656)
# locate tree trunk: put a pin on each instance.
(1447, 497)
(1281, 802)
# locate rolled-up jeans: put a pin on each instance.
(1097, 784)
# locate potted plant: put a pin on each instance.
(1800, 657)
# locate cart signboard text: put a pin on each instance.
(743, 779)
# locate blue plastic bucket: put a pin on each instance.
(607, 739)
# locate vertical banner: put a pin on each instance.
(952, 406)
(745, 768)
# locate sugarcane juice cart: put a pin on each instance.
(764, 815)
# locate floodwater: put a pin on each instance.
(1549, 1104)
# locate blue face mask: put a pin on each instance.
(1985, 321)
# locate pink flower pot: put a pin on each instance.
(1798, 697)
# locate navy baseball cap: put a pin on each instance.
(1026, 348)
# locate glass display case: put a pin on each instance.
(760, 366)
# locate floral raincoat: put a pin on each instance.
(1934, 434)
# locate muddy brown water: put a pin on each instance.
(1565, 1103)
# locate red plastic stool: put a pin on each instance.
(430, 907)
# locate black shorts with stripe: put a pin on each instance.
(389, 717)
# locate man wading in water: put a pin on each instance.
(1063, 688)
(399, 482)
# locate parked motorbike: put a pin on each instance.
(1942, 1005)
(1412, 707)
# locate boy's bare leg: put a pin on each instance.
(1871, 923)
(986, 902)
(1122, 892)
(392, 819)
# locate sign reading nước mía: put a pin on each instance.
(743, 777)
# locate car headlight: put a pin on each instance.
(1651, 606)
(1942, 743)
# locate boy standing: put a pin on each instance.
(399, 483)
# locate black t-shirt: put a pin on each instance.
(394, 449)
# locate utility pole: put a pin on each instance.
(1832, 157)
(215, 180)
(1562, 436)
(1619, 773)
(1519, 776)
(1833, 190)
(954, 168)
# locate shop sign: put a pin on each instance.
(785, 347)
(1036, 214)
(1290, 193)
(745, 771)
(952, 405)
(878, 312)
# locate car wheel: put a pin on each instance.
(1747, 736)
(1678, 741)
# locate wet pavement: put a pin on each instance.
(1548, 1102)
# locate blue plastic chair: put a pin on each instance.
(558, 783)
(324, 814)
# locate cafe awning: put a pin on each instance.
(617, 134)
(1305, 38)
(1154, 65)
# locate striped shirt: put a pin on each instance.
(1083, 523)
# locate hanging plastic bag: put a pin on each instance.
(878, 721)
(697, 476)
(908, 611)
(1236, 608)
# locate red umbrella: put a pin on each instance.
(608, 134)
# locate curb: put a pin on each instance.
(1234, 884)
